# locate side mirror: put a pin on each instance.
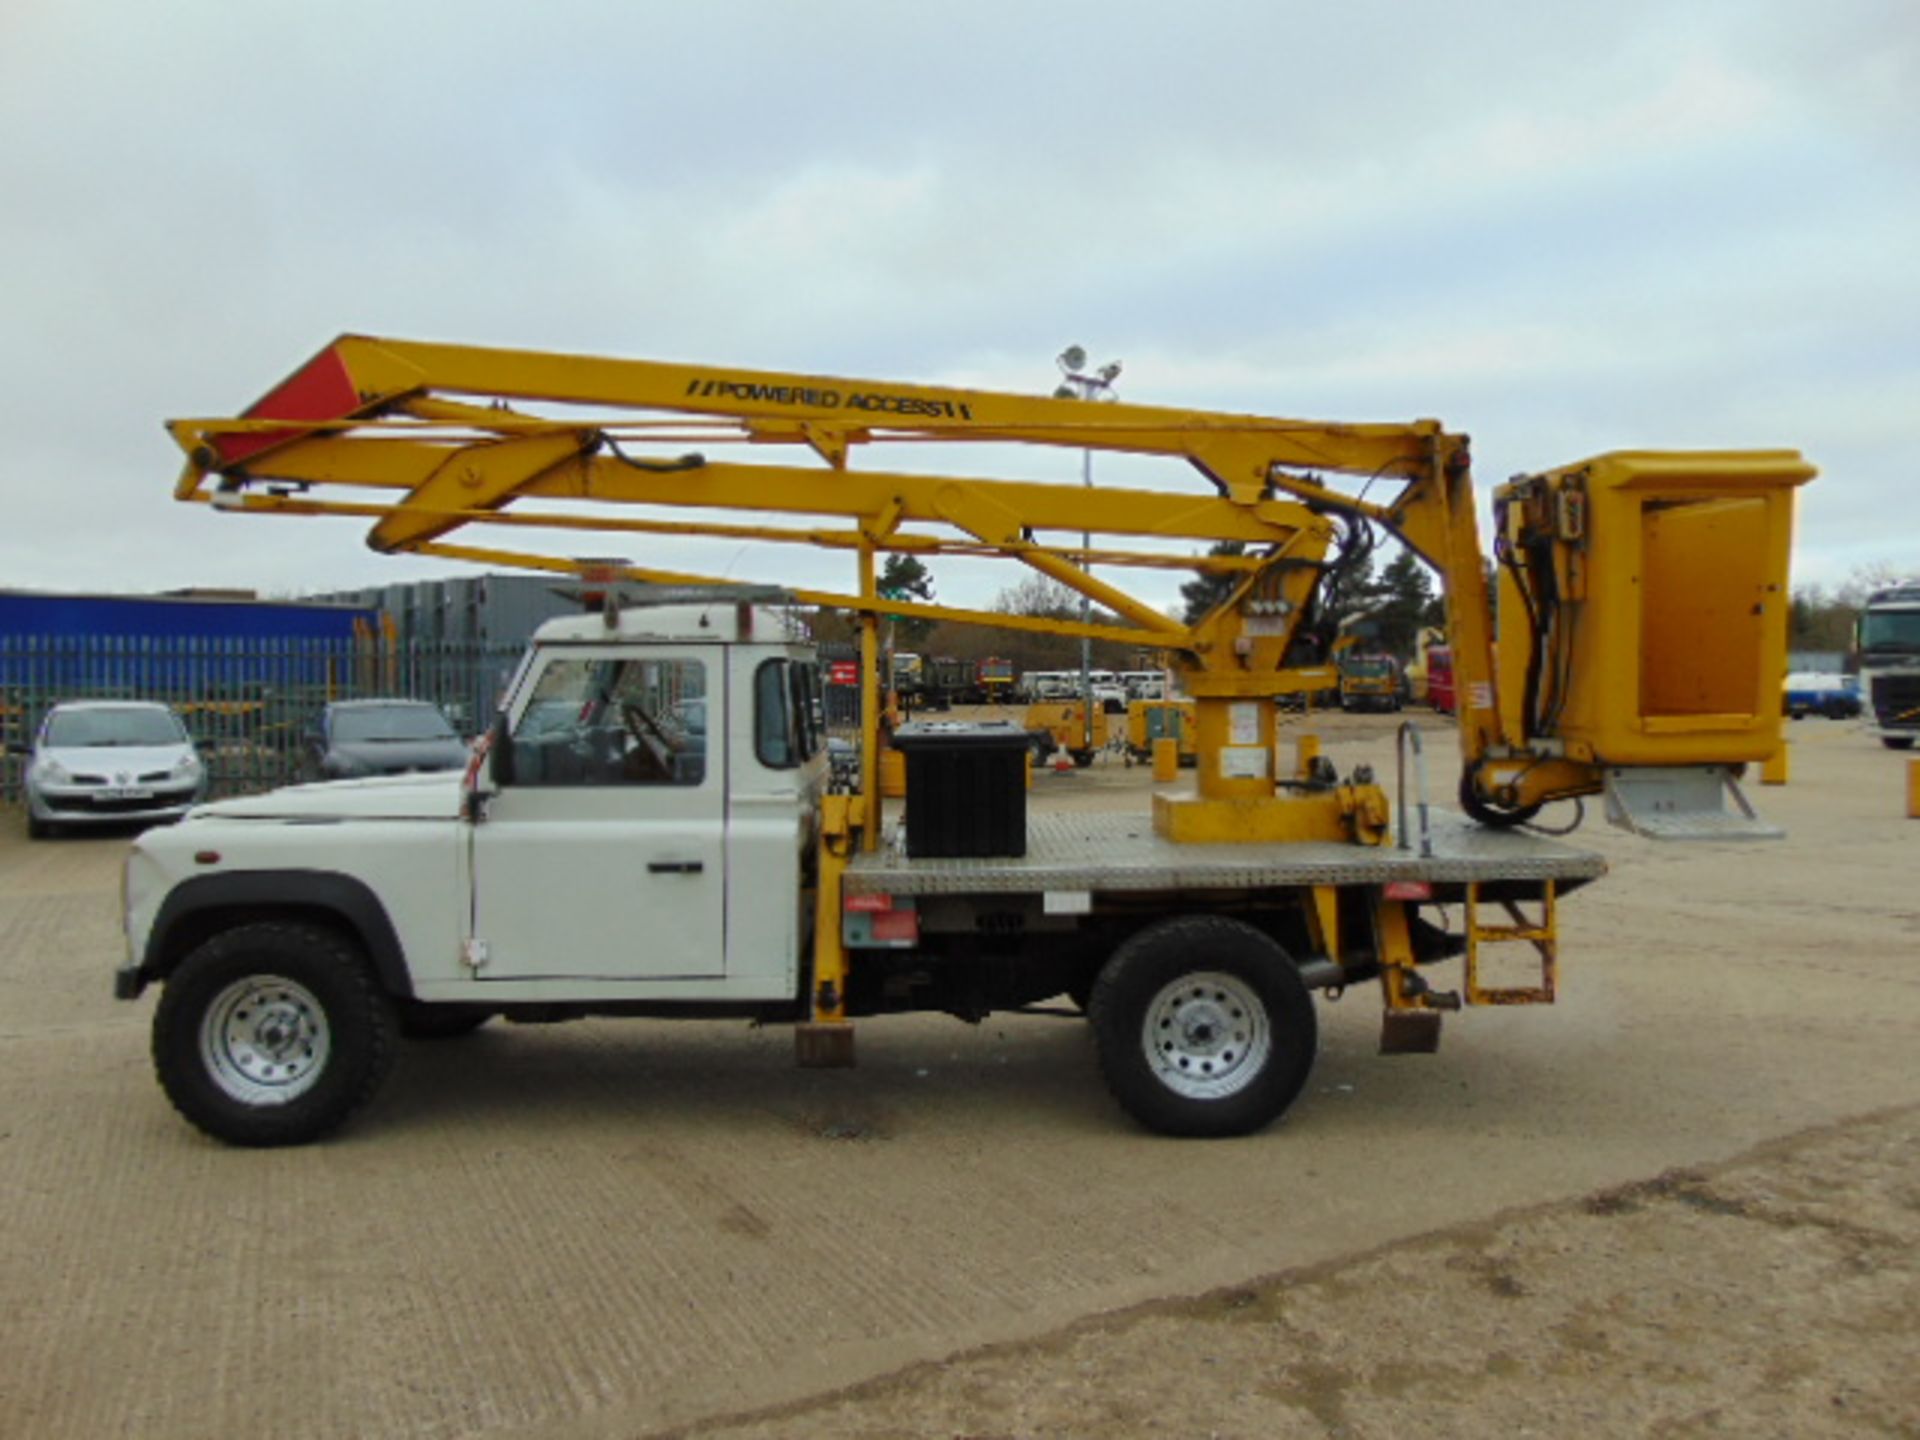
(500, 750)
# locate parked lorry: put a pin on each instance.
(626, 863)
(1369, 682)
(1889, 647)
(1821, 692)
(994, 681)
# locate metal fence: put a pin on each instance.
(247, 701)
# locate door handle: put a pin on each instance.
(674, 867)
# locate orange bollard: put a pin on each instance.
(1913, 789)
(1773, 770)
(1166, 760)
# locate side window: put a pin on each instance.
(614, 722)
(787, 713)
(773, 729)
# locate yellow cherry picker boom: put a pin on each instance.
(1641, 632)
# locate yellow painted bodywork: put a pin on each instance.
(1343, 814)
(1542, 933)
(842, 819)
(1667, 583)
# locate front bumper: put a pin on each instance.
(82, 805)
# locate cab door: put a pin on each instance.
(603, 855)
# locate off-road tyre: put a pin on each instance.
(1203, 1027)
(422, 1021)
(272, 1034)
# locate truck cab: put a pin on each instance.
(1890, 662)
(1369, 682)
(580, 864)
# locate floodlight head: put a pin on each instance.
(1072, 358)
(1065, 392)
(1109, 372)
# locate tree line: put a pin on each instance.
(1388, 607)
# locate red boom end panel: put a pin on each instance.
(320, 390)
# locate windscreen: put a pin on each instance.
(76, 729)
(390, 722)
(1890, 630)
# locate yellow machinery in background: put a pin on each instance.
(1060, 727)
(1642, 594)
(1152, 720)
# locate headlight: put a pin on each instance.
(187, 767)
(52, 772)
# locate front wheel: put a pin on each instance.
(272, 1034)
(1203, 1027)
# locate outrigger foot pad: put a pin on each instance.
(1409, 1032)
(823, 1045)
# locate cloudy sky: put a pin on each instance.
(1561, 229)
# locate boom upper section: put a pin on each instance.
(1595, 560)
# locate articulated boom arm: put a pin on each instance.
(425, 439)
(367, 416)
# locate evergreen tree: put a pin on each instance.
(1208, 588)
(905, 578)
(1403, 602)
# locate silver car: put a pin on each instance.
(107, 762)
(352, 739)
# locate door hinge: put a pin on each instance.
(473, 953)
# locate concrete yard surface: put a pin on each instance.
(1684, 1189)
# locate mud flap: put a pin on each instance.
(1409, 1032)
(823, 1045)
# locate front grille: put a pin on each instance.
(95, 805)
(1896, 701)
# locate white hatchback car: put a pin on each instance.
(99, 762)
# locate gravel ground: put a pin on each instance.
(1775, 1296)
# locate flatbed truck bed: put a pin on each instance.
(1120, 852)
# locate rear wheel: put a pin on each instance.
(1203, 1027)
(272, 1034)
(1897, 742)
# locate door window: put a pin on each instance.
(614, 722)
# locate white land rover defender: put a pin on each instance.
(651, 757)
